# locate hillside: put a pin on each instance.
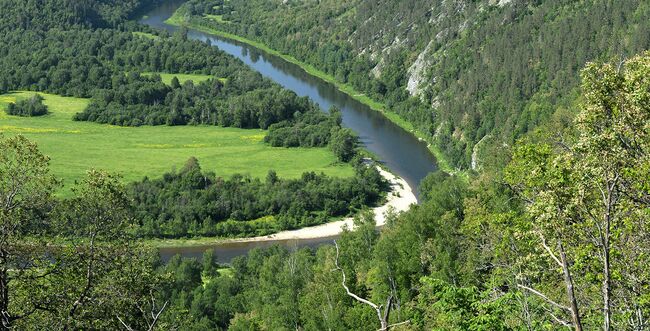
(472, 75)
(187, 150)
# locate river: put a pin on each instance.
(398, 149)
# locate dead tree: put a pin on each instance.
(568, 281)
(151, 320)
(383, 312)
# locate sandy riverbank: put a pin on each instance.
(399, 199)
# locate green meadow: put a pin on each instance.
(135, 152)
(146, 35)
(182, 78)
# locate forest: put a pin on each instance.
(193, 203)
(556, 239)
(470, 75)
(550, 232)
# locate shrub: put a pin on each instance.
(29, 107)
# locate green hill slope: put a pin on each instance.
(462, 72)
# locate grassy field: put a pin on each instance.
(217, 18)
(75, 147)
(180, 18)
(182, 78)
(146, 35)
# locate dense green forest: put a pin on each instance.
(552, 232)
(44, 14)
(557, 240)
(193, 203)
(463, 72)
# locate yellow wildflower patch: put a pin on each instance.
(155, 146)
(196, 145)
(18, 129)
(254, 138)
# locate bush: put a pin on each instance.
(29, 107)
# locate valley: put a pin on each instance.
(324, 165)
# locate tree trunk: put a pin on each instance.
(5, 323)
(575, 314)
(607, 279)
(607, 289)
(610, 200)
(382, 316)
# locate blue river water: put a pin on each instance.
(398, 149)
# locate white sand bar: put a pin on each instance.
(399, 199)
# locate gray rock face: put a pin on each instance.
(417, 71)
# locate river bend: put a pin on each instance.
(398, 149)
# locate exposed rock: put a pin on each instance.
(475, 151)
(499, 3)
(417, 71)
(376, 71)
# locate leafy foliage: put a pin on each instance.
(191, 202)
(487, 69)
(30, 107)
(485, 254)
(310, 129)
(95, 279)
(583, 200)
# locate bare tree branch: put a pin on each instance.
(347, 289)
(548, 250)
(559, 320)
(541, 295)
(396, 324)
(155, 314)
(126, 326)
(382, 316)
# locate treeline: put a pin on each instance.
(135, 100)
(488, 73)
(315, 129)
(63, 14)
(192, 203)
(558, 239)
(311, 129)
(78, 62)
(81, 60)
